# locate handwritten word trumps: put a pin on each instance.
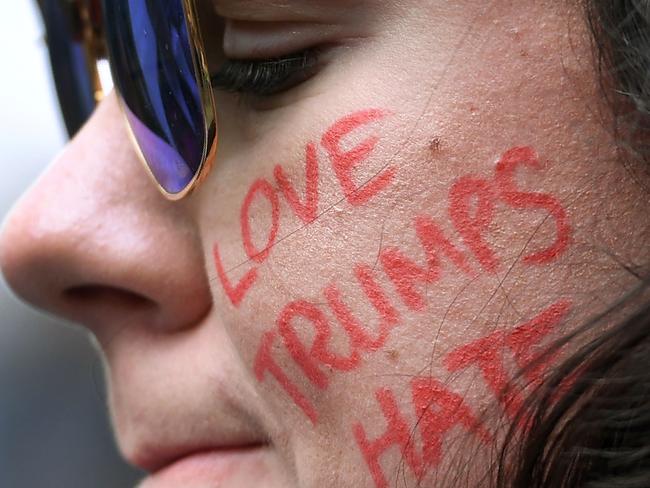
(473, 203)
(439, 411)
(344, 163)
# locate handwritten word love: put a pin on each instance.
(344, 163)
(439, 410)
(317, 360)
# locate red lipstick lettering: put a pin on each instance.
(234, 293)
(304, 211)
(473, 227)
(398, 433)
(433, 241)
(439, 411)
(505, 179)
(406, 274)
(524, 339)
(387, 313)
(264, 362)
(344, 162)
(308, 359)
(264, 188)
(358, 334)
(488, 353)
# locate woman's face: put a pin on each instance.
(375, 253)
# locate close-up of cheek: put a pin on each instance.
(354, 308)
(385, 266)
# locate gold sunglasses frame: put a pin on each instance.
(96, 50)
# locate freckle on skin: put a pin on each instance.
(435, 145)
(393, 355)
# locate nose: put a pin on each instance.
(94, 241)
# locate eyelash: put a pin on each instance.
(265, 77)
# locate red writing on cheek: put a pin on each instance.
(358, 333)
(505, 179)
(488, 353)
(344, 162)
(264, 363)
(304, 211)
(438, 410)
(433, 241)
(472, 227)
(405, 273)
(307, 359)
(234, 293)
(472, 204)
(311, 359)
(264, 188)
(398, 433)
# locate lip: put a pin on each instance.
(155, 460)
(212, 468)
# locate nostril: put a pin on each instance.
(92, 295)
(102, 307)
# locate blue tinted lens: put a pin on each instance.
(70, 62)
(152, 65)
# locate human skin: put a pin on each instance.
(489, 126)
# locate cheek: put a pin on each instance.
(353, 286)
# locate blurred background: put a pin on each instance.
(54, 428)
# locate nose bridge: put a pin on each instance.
(94, 241)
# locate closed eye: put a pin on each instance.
(265, 77)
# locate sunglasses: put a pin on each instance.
(159, 71)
